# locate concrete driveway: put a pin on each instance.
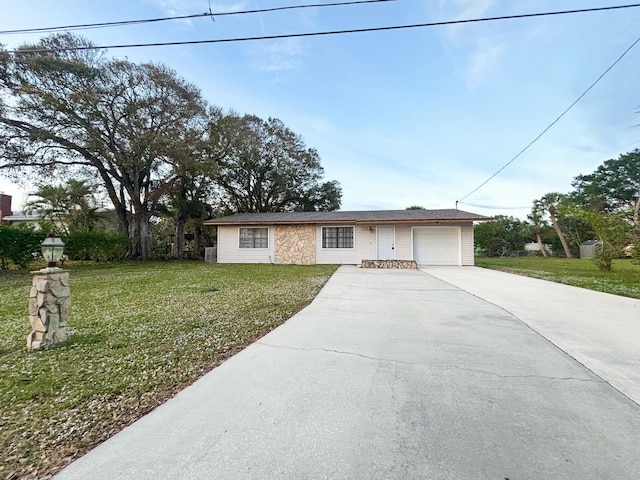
(389, 374)
(600, 330)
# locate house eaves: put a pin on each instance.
(351, 217)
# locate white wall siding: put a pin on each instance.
(230, 252)
(364, 247)
(467, 246)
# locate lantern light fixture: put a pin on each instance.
(52, 249)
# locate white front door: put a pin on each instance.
(386, 243)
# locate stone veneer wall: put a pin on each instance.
(295, 244)
(389, 264)
(49, 308)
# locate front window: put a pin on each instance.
(254, 238)
(337, 237)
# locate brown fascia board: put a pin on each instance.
(349, 222)
(415, 221)
(352, 218)
(280, 222)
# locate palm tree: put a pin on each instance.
(536, 218)
(549, 204)
(50, 204)
(71, 206)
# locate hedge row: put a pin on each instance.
(20, 245)
(98, 246)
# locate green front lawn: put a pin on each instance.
(139, 333)
(623, 280)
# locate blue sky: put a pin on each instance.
(409, 117)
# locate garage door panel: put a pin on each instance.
(436, 245)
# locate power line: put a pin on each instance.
(317, 34)
(88, 26)
(580, 97)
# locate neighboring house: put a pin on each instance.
(430, 237)
(106, 221)
(533, 247)
(9, 217)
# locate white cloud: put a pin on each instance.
(482, 49)
(483, 63)
(468, 8)
(174, 7)
(226, 7)
(279, 55)
(462, 10)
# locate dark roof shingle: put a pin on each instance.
(383, 216)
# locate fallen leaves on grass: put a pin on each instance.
(140, 332)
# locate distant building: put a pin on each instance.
(5, 206)
(532, 248)
(589, 249)
(9, 216)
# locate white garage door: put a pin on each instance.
(436, 245)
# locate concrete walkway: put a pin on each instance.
(386, 375)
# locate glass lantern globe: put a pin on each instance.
(52, 249)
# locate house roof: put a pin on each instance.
(20, 217)
(365, 217)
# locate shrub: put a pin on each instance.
(19, 245)
(98, 246)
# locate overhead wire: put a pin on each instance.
(210, 13)
(557, 119)
(325, 33)
(335, 32)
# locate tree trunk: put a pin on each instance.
(540, 244)
(123, 220)
(554, 221)
(146, 241)
(636, 212)
(178, 246)
(197, 235)
(140, 234)
(118, 202)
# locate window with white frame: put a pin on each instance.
(254, 237)
(337, 237)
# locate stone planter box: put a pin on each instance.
(389, 264)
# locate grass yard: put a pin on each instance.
(624, 279)
(139, 333)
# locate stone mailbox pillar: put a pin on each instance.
(49, 308)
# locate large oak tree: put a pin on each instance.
(265, 167)
(129, 125)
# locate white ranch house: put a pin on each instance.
(430, 237)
